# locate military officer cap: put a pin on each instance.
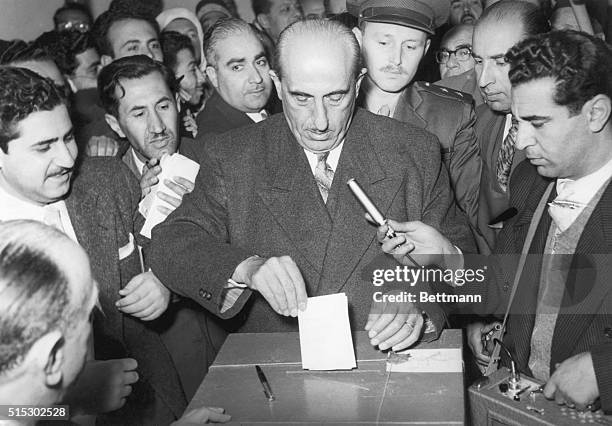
(409, 13)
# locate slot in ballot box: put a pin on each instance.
(365, 395)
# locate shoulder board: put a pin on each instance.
(443, 91)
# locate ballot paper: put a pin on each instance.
(325, 334)
(171, 165)
(427, 361)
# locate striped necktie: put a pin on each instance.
(324, 175)
(506, 155)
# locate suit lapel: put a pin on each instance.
(522, 318)
(587, 286)
(96, 234)
(352, 234)
(236, 117)
(293, 199)
(128, 160)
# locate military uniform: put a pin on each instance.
(448, 114)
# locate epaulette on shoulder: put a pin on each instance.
(443, 91)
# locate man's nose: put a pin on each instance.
(484, 75)
(524, 136)
(395, 56)
(156, 124)
(320, 116)
(64, 157)
(255, 76)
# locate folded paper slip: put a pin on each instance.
(172, 166)
(325, 334)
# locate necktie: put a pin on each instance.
(506, 155)
(264, 114)
(324, 175)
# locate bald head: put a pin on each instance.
(317, 37)
(319, 64)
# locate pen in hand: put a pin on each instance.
(264, 383)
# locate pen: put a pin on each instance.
(264, 383)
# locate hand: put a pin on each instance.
(144, 297)
(103, 386)
(423, 242)
(190, 124)
(573, 382)
(475, 333)
(203, 415)
(395, 325)
(101, 146)
(279, 281)
(149, 176)
(180, 186)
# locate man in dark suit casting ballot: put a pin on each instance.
(271, 218)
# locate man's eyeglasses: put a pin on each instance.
(462, 53)
(81, 27)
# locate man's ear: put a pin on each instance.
(277, 84)
(47, 356)
(597, 112)
(427, 46)
(70, 83)
(263, 20)
(111, 120)
(358, 36)
(105, 60)
(211, 73)
(362, 74)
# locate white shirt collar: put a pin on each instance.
(13, 208)
(139, 164)
(332, 158)
(582, 190)
(258, 116)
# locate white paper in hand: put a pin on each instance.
(325, 334)
(171, 165)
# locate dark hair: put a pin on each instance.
(20, 51)
(172, 43)
(72, 6)
(23, 92)
(149, 8)
(35, 291)
(261, 6)
(128, 68)
(532, 17)
(107, 19)
(203, 3)
(580, 64)
(222, 29)
(313, 28)
(63, 47)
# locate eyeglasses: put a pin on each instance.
(462, 53)
(81, 27)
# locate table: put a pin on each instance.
(336, 397)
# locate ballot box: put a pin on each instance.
(366, 395)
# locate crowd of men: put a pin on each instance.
(481, 130)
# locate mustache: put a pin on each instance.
(392, 69)
(60, 171)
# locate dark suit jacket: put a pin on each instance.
(584, 323)
(102, 206)
(256, 194)
(218, 116)
(192, 337)
(450, 116)
(493, 200)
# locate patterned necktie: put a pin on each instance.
(324, 175)
(506, 155)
